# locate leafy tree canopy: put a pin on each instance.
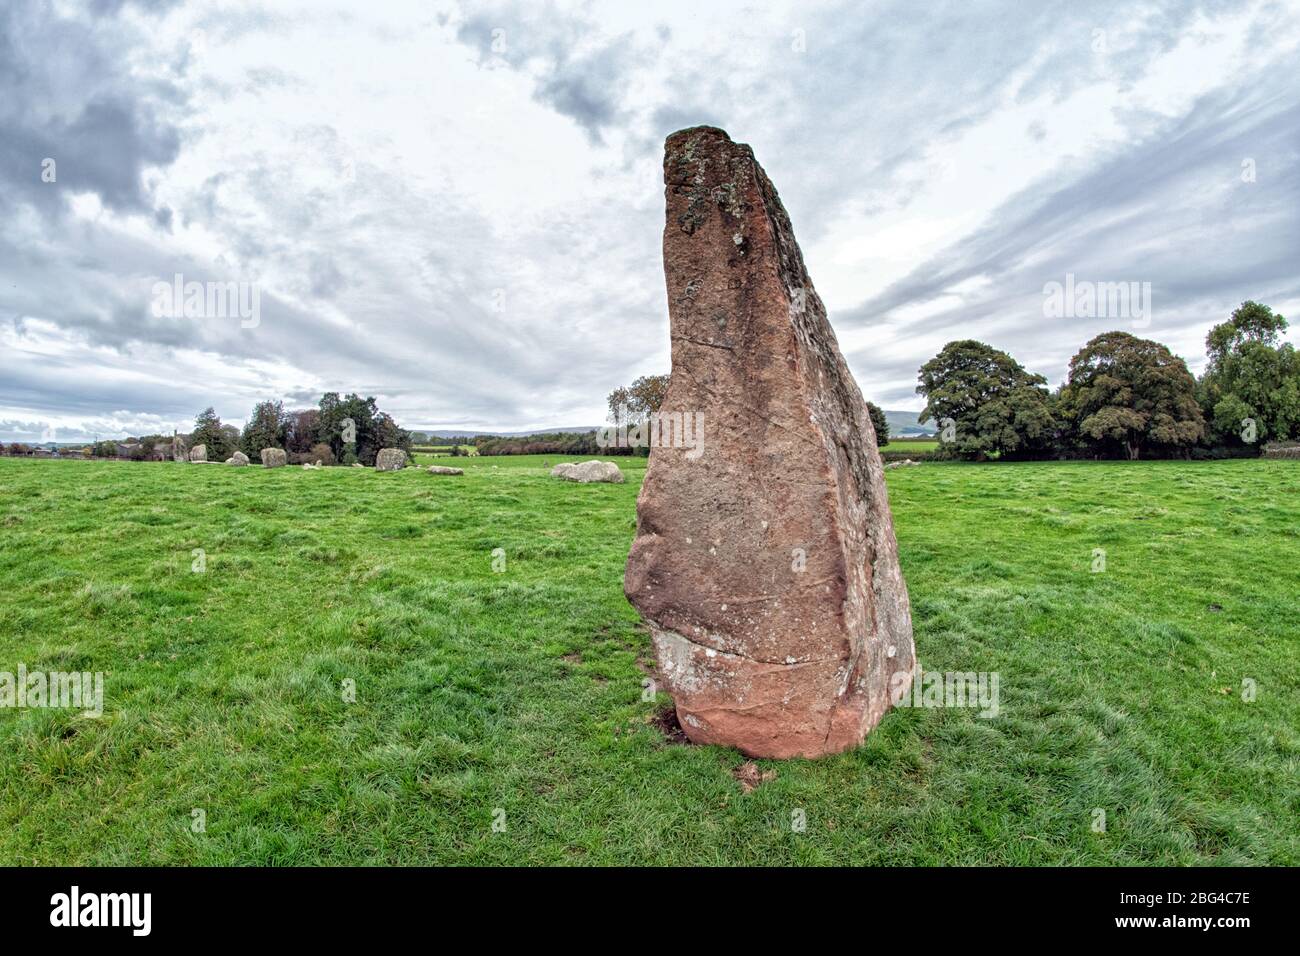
(209, 431)
(266, 428)
(879, 423)
(1250, 391)
(646, 395)
(995, 406)
(1130, 393)
(355, 428)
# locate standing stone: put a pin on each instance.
(179, 451)
(199, 453)
(274, 458)
(390, 459)
(766, 566)
(238, 458)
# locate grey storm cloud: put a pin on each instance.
(581, 73)
(68, 96)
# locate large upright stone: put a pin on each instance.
(766, 565)
(390, 459)
(199, 453)
(274, 458)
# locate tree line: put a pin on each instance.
(1124, 397)
(341, 430)
(549, 443)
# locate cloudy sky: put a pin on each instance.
(457, 207)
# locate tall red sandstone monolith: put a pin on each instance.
(765, 561)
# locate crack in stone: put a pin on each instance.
(746, 657)
(707, 345)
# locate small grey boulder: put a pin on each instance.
(589, 471)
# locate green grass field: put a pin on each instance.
(520, 691)
(910, 444)
(440, 451)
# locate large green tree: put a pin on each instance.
(266, 428)
(1250, 391)
(646, 395)
(388, 435)
(302, 432)
(355, 428)
(1130, 395)
(209, 431)
(879, 423)
(984, 402)
(618, 401)
(634, 404)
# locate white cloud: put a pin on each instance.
(472, 234)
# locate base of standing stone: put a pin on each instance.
(766, 709)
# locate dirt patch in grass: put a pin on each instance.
(750, 776)
(666, 721)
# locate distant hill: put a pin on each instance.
(905, 423)
(900, 423)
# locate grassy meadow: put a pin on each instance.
(515, 695)
(910, 445)
(440, 451)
